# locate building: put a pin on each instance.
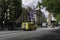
(34, 16)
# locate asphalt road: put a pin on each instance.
(39, 34)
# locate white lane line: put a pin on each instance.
(7, 34)
(12, 34)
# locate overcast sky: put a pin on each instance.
(32, 3)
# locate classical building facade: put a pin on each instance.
(33, 16)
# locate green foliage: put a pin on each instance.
(58, 17)
(14, 7)
(52, 6)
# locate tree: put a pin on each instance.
(25, 12)
(11, 10)
(14, 7)
(18, 9)
(52, 6)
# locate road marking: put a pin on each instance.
(8, 34)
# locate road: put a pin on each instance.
(39, 34)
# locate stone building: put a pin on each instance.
(34, 16)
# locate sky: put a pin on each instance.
(30, 3)
(33, 3)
